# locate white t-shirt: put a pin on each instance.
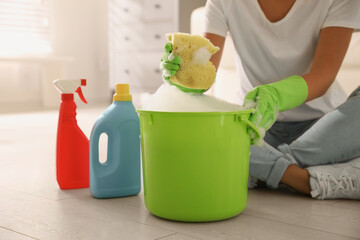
(269, 52)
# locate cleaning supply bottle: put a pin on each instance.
(119, 175)
(72, 148)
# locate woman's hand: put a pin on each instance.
(169, 63)
(268, 100)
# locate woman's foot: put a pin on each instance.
(336, 181)
(297, 178)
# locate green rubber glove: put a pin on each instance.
(268, 100)
(169, 65)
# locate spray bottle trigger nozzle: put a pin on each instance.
(78, 90)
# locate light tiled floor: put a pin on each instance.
(33, 207)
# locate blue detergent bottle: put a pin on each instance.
(119, 175)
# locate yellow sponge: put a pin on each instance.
(196, 71)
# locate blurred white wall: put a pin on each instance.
(79, 49)
(80, 30)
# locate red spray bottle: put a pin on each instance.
(72, 147)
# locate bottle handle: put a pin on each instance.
(95, 164)
(112, 151)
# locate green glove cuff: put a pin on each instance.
(291, 92)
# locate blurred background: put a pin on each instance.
(106, 42)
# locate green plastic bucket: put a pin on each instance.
(195, 165)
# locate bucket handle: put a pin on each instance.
(245, 118)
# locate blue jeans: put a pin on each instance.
(334, 138)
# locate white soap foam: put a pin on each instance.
(200, 56)
(171, 57)
(169, 98)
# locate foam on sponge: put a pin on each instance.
(196, 71)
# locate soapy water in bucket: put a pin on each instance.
(169, 98)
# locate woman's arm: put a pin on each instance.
(330, 52)
(218, 41)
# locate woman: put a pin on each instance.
(291, 52)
